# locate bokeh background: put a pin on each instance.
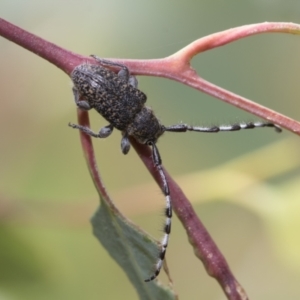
(244, 185)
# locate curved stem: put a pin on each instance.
(204, 246)
(233, 34)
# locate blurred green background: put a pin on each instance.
(244, 185)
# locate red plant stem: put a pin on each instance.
(241, 102)
(175, 67)
(204, 247)
(88, 150)
(63, 59)
(222, 38)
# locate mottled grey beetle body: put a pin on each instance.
(117, 99)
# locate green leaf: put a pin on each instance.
(131, 248)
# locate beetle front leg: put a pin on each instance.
(103, 132)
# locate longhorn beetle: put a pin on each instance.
(117, 98)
